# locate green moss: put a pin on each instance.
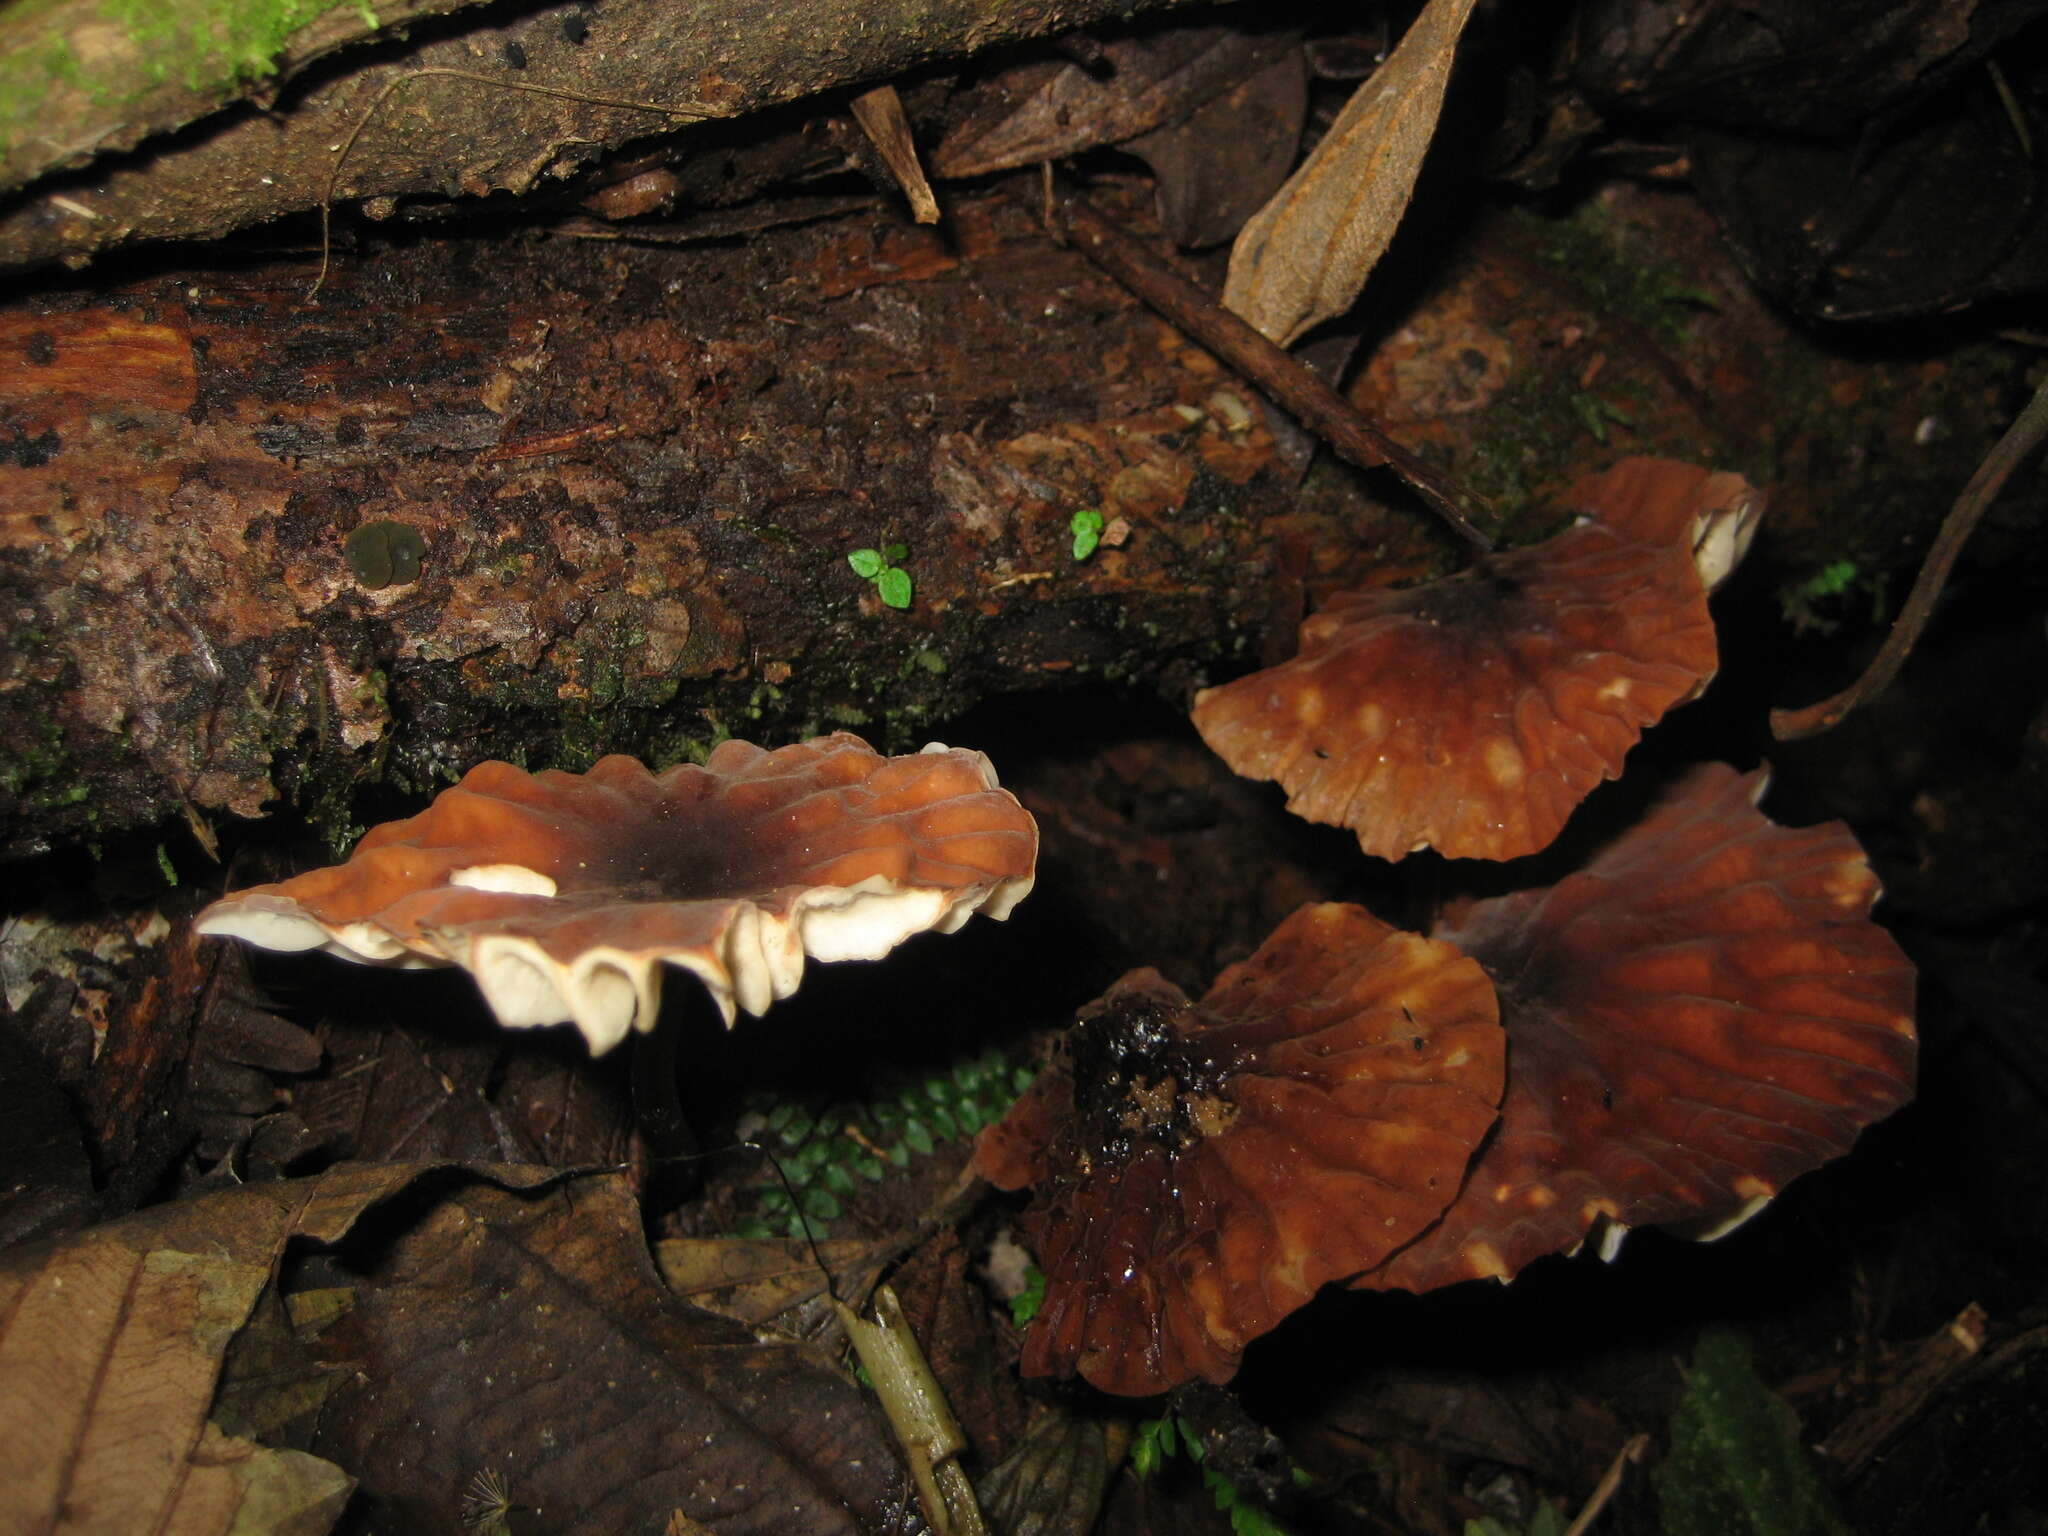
(827, 1151)
(1736, 1466)
(210, 47)
(1598, 252)
(38, 770)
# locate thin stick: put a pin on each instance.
(1291, 386)
(690, 112)
(1610, 1481)
(2020, 439)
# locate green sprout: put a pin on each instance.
(1156, 1440)
(1806, 604)
(892, 582)
(1025, 1304)
(1086, 526)
(1594, 414)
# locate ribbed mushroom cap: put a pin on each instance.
(564, 894)
(1472, 715)
(1201, 1169)
(1713, 513)
(1703, 1013)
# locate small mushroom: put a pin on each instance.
(1201, 1169)
(1700, 1015)
(564, 894)
(1473, 714)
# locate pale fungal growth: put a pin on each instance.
(1201, 1169)
(1700, 1015)
(565, 894)
(1472, 715)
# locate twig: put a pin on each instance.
(1291, 386)
(1609, 1481)
(2021, 438)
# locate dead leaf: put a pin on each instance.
(1305, 256)
(1218, 167)
(762, 1281)
(110, 1344)
(530, 1340)
(1041, 111)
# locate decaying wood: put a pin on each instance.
(1291, 386)
(449, 136)
(75, 84)
(545, 501)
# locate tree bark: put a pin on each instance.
(459, 115)
(543, 500)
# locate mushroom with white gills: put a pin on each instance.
(565, 895)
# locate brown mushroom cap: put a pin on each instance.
(1202, 1169)
(1472, 715)
(564, 893)
(1703, 1013)
(1667, 501)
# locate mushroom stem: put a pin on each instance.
(677, 1169)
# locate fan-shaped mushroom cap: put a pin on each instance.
(1701, 1014)
(1667, 501)
(564, 893)
(1202, 1169)
(1472, 715)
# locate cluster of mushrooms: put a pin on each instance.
(1666, 1037)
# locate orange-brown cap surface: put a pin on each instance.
(564, 894)
(1713, 513)
(1201, 1169)
(1472, 715)
(1701, 1014)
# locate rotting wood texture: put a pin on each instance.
(629, 480)
(444, 137)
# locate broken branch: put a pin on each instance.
(1286, 382)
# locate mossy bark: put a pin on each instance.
(493, 108)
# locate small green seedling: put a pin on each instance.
(1025, 1304)
(1155, 1440)
(1086, 526)
(892, 582)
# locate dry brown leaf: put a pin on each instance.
(1306, 254)
(757, 1280)
(527, 1341)
(110, 1344)
(1041, 111)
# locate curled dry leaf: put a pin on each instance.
(1472, 715)
(563, 894)
(1042, 111)
(1201, 1169)
(1703, 1013)
(110, 1345)
(1306, 255)
(531, 1337)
